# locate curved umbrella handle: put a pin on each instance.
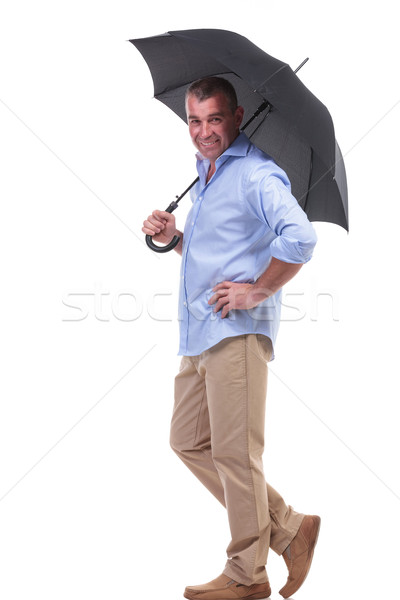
(167, 248)
(175, 240)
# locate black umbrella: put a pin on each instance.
(294, 127)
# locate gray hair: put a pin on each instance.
(208, 87)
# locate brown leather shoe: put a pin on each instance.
(224, 588)
(299, 554)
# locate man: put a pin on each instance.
(244, 238)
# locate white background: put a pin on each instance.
(94, 505)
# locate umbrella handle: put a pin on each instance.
(175, 240)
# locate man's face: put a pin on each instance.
(212, 125)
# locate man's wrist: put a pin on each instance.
(260, 292)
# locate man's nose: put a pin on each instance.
(205, 130)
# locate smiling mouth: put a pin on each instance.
(207, 144)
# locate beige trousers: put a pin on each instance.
(217, 430)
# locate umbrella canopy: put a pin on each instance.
(297, 131)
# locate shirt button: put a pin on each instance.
(185, 304)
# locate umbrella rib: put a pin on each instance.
(307, 194)
(284, 66)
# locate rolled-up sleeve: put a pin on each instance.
(270, 199)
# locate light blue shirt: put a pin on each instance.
(241, 218)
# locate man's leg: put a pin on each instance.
(191, 440)
(285, 521)
(190, 427)
(236, 390)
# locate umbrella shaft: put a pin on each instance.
(265, 105)
(185, 192)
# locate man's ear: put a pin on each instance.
(239, 113)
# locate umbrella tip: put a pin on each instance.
(302, 64)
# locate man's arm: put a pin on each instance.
(161, 226)
(230, 295)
